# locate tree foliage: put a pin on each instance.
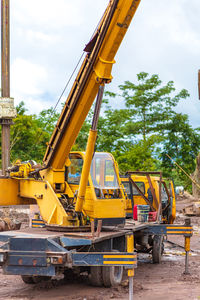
(30, 133)
(139, 133)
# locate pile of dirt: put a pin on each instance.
(184, 201)
(20, 215)
(187, 198)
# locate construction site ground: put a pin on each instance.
(151, 281)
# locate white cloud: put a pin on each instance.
(27, 83)
(49, 35)
(27, 77)
(47, 13)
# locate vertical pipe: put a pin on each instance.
(5, 80)
(130, 249)
(89, 153)
(187, 249)
(131, 288)
(5, 48)
(186, 263)
(159, 215)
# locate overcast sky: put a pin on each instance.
(48, 36)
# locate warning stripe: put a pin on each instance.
(119, 262)
(181, 232)
(185, 228)
(118, 256)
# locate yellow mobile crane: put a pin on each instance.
(74, 189)
(62, 200)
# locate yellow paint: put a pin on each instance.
(138, 200)
(46, 191)
(119, 262)
(86, 170)
(101, 72)
(174, 227)
(131, 272)
(130, 243)
(51, 209)
(9, 193)
(173, 216)
(182, 232)
(187, 243)
(24, 169)
(119, 256)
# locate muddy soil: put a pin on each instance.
(151, 281)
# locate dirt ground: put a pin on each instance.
(151, 281)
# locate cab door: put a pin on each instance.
(172, 212)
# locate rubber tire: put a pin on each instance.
(27, 279)
(34, 279)
(112, 276)
(38, 279)
(158, 249)
(95, 276)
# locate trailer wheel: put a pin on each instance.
(112, 276)
(27, 279)
(34, 279)
(158, 249)
(95, 276)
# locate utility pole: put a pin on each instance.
(7, 110)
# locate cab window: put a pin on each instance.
(73, 172)
(141, 187)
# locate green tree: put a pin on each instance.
(182, 143)
(150, 104)
(138, 157)
(135, 133)
(30, 133)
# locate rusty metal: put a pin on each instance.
(147, 174)
(167, 191)
(99, 226)
(5, 80)
(142, 194)
(92, 229)
(152, 190)
(143, 172)
(160, 199)
(59, 228)
(5, 48)
(97, 107)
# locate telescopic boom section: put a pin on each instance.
(95, 70)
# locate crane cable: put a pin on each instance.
(183, 171)
(58, 101)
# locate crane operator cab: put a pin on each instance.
(104, 197)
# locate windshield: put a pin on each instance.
(73, 172)
(103, 172)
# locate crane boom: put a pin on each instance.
(54, 187)
(94, 71)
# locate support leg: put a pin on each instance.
(187, 249)
(130, 287)
(130, 248)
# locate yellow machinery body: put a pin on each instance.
(104, 198)
(167, 194)
(49, 186)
